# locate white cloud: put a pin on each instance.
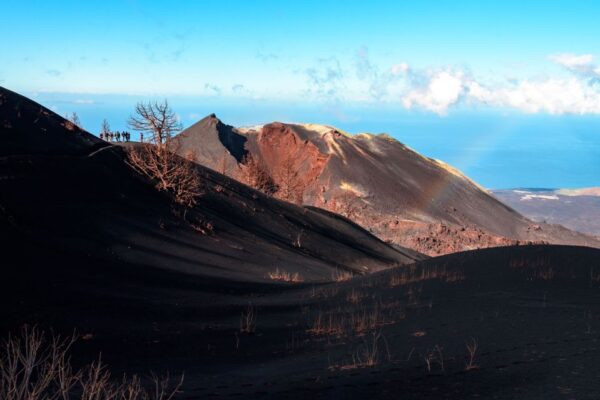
(441, 90)
(573, 61)
(399, 69)
(582, 65)
(379, 83)
(212, 90)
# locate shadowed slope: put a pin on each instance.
(79, 195)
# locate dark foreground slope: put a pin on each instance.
(532, 311)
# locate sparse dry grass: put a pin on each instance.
(248, 320)
(472, 352)
(285, 276)
(369, 354)
(544, 273)
(341, 276)
(353, 322)
(412, 274)
(326, 325)
(36, 367)
(355, 296)
(433, 357)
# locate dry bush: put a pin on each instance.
(284, 276)
(248, 320)
(290, 185)
(255, 174)
(35, 367)
(168, 172)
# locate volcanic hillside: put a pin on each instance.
(383, 185)
(63, 191)
(89, 245)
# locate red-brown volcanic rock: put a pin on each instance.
(383, 185)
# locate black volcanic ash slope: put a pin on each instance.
(67, 194)
(87, 245)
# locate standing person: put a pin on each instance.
(141, 137)
(118, 136)
(101, 136)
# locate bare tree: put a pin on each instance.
(74, 118)
(156, 119)
(157, 160)
(105, 128)
(290, 186)
(72, 121)
(255, 174)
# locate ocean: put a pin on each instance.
(495, 148)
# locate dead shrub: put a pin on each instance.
(255, 174)
(168, 172)
(35, 367)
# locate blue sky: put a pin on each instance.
(433, 74)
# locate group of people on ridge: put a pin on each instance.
(116, 136)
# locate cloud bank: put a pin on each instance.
(575, 90)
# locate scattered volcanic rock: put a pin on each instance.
(378, 182)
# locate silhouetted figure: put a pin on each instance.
(141, 137)
(101, 136)
(118, 136)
